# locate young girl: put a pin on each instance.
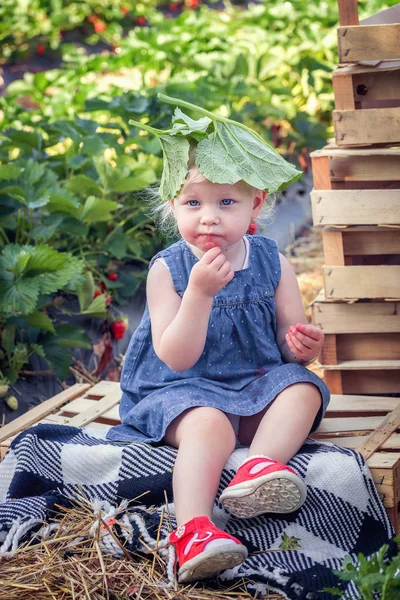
(219, 359)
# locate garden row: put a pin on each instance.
(73, 168)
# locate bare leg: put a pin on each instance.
(280, 430)
(205, 438)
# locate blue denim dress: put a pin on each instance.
(241, 369)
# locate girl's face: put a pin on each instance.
(213, 214)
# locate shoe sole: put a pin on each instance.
(274, 493)
(210, 562)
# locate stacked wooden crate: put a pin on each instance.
(356, 202)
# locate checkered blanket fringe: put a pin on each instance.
(49, 465)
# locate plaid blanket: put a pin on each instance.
(343, 515)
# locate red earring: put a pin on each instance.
(252, 227)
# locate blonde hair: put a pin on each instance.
(163, 213)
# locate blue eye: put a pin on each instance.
(227, 201)
(193, 202)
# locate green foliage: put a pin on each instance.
(376, 576)
(289, 542)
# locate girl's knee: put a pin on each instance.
(204, 421)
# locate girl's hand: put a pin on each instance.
(305, 342)
(211, 273)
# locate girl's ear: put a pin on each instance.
(258, 202)
(171, 203)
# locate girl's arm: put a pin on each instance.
(297, 340)
(179, 325)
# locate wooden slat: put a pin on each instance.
(350, 424)
(97, 410)
(367, 381)
(356, 207)
(359, 317)
(376, 281)
(375, 87)
(367, 365)
(42, 410)
(332, 151)
(368, 243)
(392, 443)
(370, 126)
(358, 346)
(332, 242)
(388, 426)
(321, 174)
(351, 403)
(369, 42)
(343, 92)
(348, 12)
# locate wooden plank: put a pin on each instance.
(351, 403)
(104, 388)
(367, 382)
(368, 67)
(359, 317)
(343, 92)
(369, 42)
(329, 351)
(352, 424)
(371, 126)
(332, 151)
(332, 242)
(367, 365)
(333, 380)
(374, 87)
(42, 410)
(348, 12)
(361, 346)
(392, 443)
(96, 411)
(376, 281)
(388, 426)
(320, 171)
(368, 243)
(356, 207)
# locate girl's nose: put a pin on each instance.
(209, 218)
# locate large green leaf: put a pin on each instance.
(83, 185)
(231, 154)
(19, 296)
(97, 308)
(85, 291)
(98, 209)
(69, 336)
(40, 320)
(176, 158)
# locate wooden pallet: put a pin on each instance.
(367, 102)
(349, 422)
(376, 39)
(361, 353)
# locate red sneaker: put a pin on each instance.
(203, 550)
(263, 485)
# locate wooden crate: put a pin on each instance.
(349, 422)
(367, 102)
(377, 38)
(361, 353)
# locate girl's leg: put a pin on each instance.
(205, 438)
(280, 430)
(263, 482)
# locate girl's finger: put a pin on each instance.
(210, 255)
(310, 330)
(304, 339)
(224, 270)
(300, 348)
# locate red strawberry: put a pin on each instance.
(173, 6)
(108, 300)
(99, 26)
(252, 228)
(40, 49)
(142, 21)
(93, 18)
(112, 276)
(97, 293)
(103, 286)
(118, 329)
(193, 4)
(124, 10)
